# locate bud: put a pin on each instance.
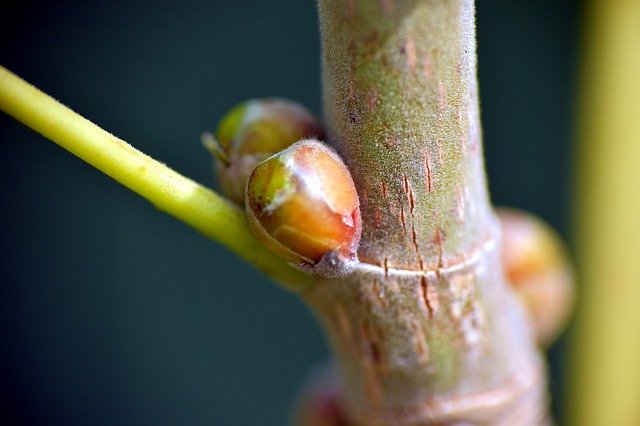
(303, 205)
(251, 132)
(320, 401)
(538, 269)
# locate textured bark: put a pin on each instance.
(425, 331)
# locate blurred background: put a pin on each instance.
(114, 313)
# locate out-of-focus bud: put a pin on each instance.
(320, 400)
(253, 131)
(537, 267)
(303, 205)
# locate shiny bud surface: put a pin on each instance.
(303, 205)
(253, 131)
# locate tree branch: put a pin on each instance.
(425, 331)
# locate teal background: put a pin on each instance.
(114, 313)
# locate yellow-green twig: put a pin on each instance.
(604, 367)
(168, 190)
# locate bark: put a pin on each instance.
(425, 331)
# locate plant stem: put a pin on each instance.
(188, 201)
(604, 368)
(425, 331)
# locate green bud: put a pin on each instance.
(253, 131)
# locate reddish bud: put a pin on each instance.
(320, 402)
(303, 205)
(538, 269)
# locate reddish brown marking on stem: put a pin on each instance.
(414, 237)
(384, 188)
(441, 96)
(438, 239)
(414, 240)
(412, 201)
(432, 296)
(405, 184)
(427, 171)
(419, 347)
(424, 287)
(403, 219)
(408, 50)
(386, 267)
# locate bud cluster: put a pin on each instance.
(299, 196)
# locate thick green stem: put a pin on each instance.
(401, 102)
(425, 331)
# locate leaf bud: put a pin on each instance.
(252, 131)
(303, 205)
(537, 267)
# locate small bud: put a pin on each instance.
(303, 205)
(538, 269)
(320, 401)
(251, 132)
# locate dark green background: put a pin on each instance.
(114, 313)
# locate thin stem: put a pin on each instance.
(188, 201)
